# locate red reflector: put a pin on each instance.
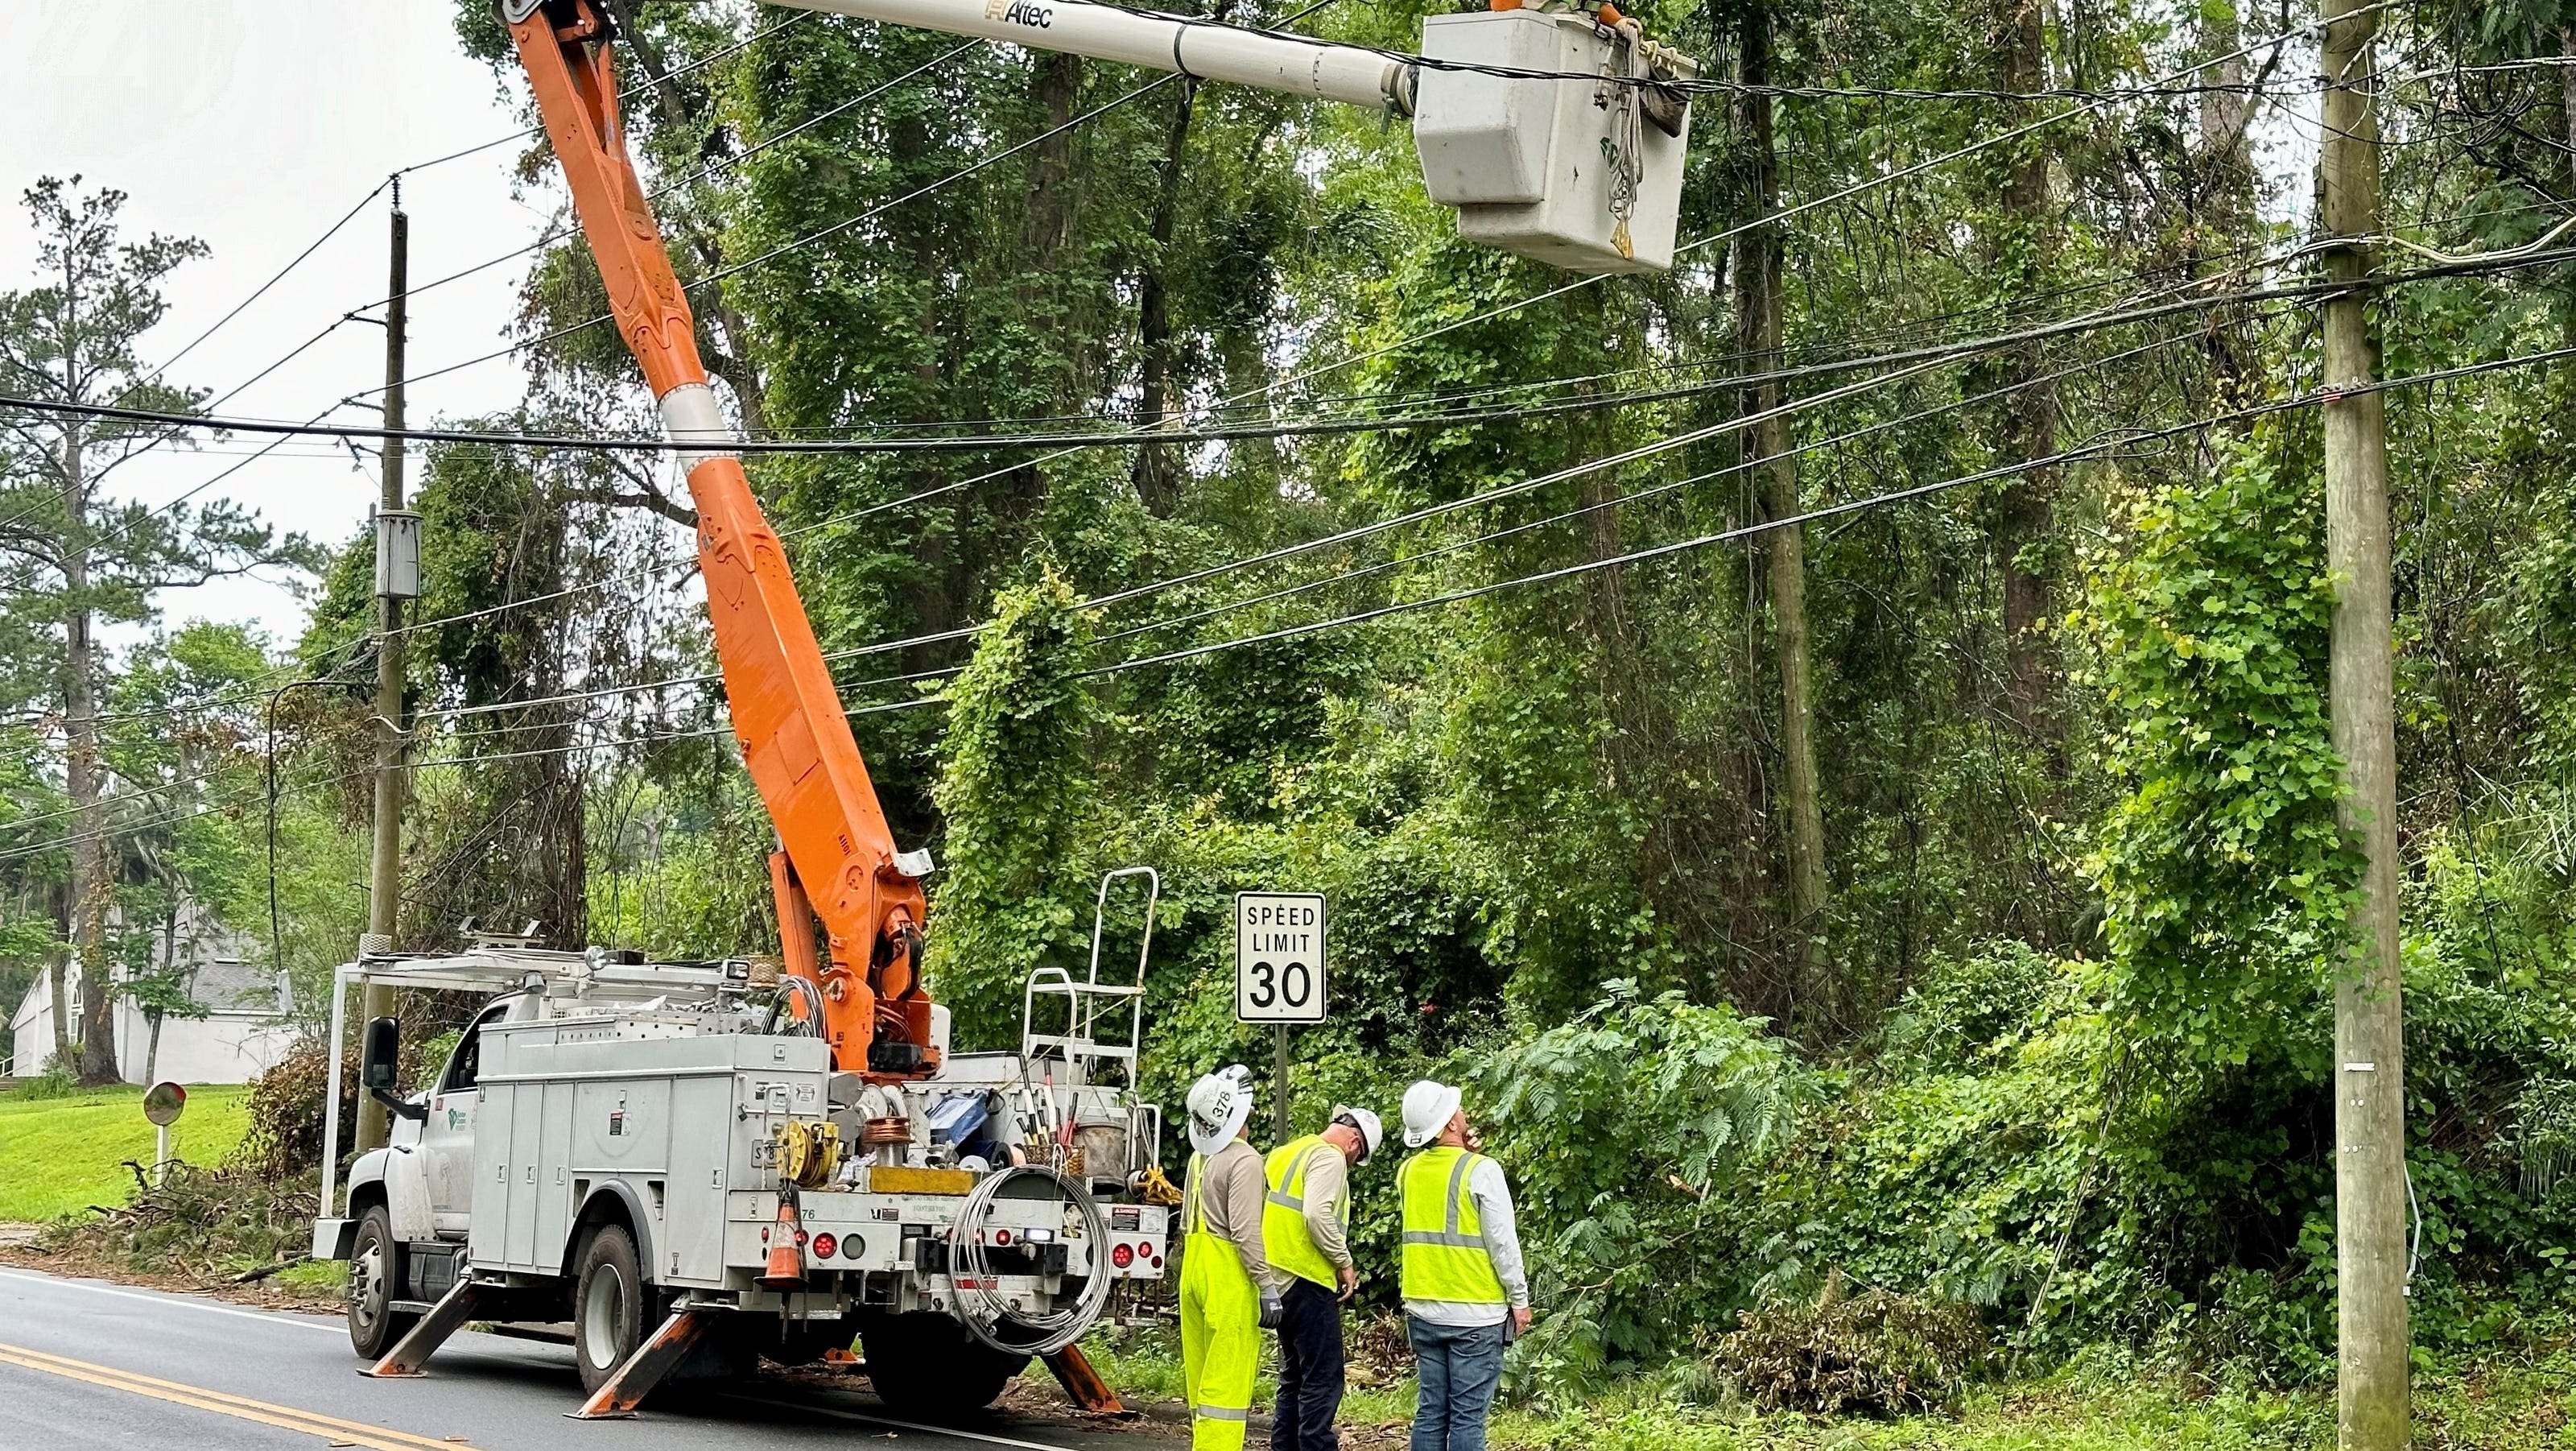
(764, 1234)
(824, 1244)
(1001, 1236)
(1122, 1257)
(800, 1236)
(1158, 1262)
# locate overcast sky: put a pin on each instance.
(253, 125)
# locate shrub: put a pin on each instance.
(285, 1107)
(1627, 1131)
(55, 1082)
(1875, 1353)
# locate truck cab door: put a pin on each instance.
(447, 1135)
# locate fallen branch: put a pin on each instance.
(264, 1271)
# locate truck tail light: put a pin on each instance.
(1122, 1256)
(1001, 1236)
(824, 1244)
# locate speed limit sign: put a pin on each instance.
(1278, 957)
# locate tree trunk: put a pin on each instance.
(1759, 309)
(2025, 520)
(2369, 1082)
(2567, 105)
(2226, 171)
(1158, 474)
(93, 856)
(58, 984)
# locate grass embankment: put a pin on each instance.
(2496, 1402)
(59, 1156)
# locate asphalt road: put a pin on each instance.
(88, 1365)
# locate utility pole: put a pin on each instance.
(394, 529)
(2369, 1067)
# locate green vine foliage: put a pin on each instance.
(1015, 789)
(2224, 877)
(1630, 1131)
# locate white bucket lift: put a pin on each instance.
(1578, 169)
(1553, 135)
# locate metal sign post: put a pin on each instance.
(1279, 974)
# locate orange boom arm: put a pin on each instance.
(838, 861)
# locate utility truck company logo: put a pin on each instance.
(1278, 957)
(1021, 12)
(456, 1118)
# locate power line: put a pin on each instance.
(836, 228)
(1917, 362)
(2125, 440)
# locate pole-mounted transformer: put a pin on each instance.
(398, 554)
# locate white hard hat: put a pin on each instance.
(1372, 1133)
(1428, 1107)
(1219, 1103)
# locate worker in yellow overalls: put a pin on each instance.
(1224, 1307)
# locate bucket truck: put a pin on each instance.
(696, 1163)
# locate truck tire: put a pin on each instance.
(925, 1363)
(609, 1304)
(376, 1262)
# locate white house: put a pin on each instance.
(247, 1027)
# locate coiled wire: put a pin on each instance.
(982, 1309)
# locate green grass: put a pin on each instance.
(2494, 1402)
(61, 1155)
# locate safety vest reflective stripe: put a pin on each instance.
(1284, 1236)
(1444, 1243)
(1221, 1413)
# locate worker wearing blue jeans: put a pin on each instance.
(1465, 1293)
(1458, 1367)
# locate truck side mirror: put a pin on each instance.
(376, 1062)
(377, 1067)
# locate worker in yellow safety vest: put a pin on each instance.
(1224, 1305)
(1306, 1225)
(1465, 1293)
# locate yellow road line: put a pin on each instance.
(311, 1423)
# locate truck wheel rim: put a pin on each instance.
(367, 1284)
(603, 1316)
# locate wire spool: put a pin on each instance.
(982, 1310)
(878, 1133)
(809, 1152)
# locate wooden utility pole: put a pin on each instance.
(384, 874)
(2369, 1064)
(1759, 309)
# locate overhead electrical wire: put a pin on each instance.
(2123, 440)
(1504, 309)
(1904, 364)
(836, 228)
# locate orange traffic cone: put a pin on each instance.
(786, 1249)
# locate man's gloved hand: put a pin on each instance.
(1272, 1310)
